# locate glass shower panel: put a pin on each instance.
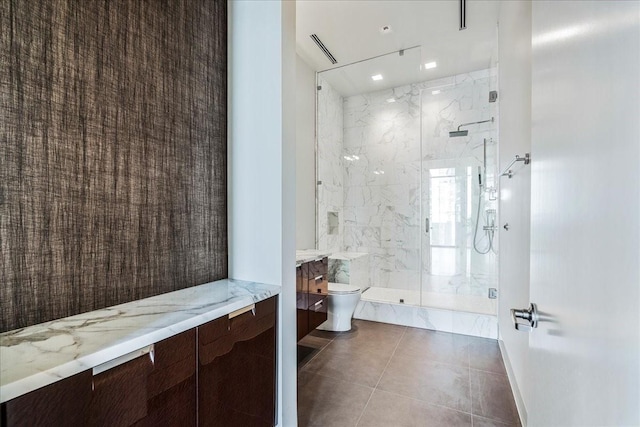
(458, 192)
(447, 235)
(368, 169)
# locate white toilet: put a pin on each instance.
(342, 301)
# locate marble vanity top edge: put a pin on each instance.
(307, 255)
(348, 255)
(39, 355)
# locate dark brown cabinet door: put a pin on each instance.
(63, 403)
(119, 396)
(237, 369)
(171, 385)
(302, 304)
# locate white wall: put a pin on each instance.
(262, 166)
(305, 155)
(515, 193)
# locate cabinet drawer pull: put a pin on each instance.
(251, 308)
(318, 304)
(318, 259)
(124, 359)
(319, 277)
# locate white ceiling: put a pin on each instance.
(351, 30)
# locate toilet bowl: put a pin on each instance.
(342, 301)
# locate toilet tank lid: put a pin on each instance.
(341, 288)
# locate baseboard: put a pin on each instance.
(522, 410)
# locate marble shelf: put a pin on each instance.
(42, 354)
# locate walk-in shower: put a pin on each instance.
(401, 180)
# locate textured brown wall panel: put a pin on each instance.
(112, 152)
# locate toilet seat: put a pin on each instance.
(341, 288)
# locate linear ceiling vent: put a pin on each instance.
(323, 48)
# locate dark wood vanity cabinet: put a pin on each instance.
(312, 289)
(237, 366)
(236, 384)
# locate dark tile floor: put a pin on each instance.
(392, 376)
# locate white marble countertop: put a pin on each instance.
(39, 355)
(307, 255)
(348, 255)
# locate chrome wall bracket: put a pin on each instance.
(508, 172)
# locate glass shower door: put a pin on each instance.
(458, 258)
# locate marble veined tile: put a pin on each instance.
(438, 312)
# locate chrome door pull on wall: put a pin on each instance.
(525, 319)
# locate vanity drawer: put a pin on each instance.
(223, 326)
(241, 327)
(213, 330)
(318, 285)
(317, 313)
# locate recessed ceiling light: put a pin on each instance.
(435, 92)
(430, 65)
(377, 77)
(391, 100)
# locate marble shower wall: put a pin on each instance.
(330, 221)
(381, 188)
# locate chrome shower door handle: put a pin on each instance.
(525, 319)
(426, 225)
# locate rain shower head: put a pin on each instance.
(455, 133)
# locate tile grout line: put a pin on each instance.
(381, 375)
(428, 403)
(301, 368)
